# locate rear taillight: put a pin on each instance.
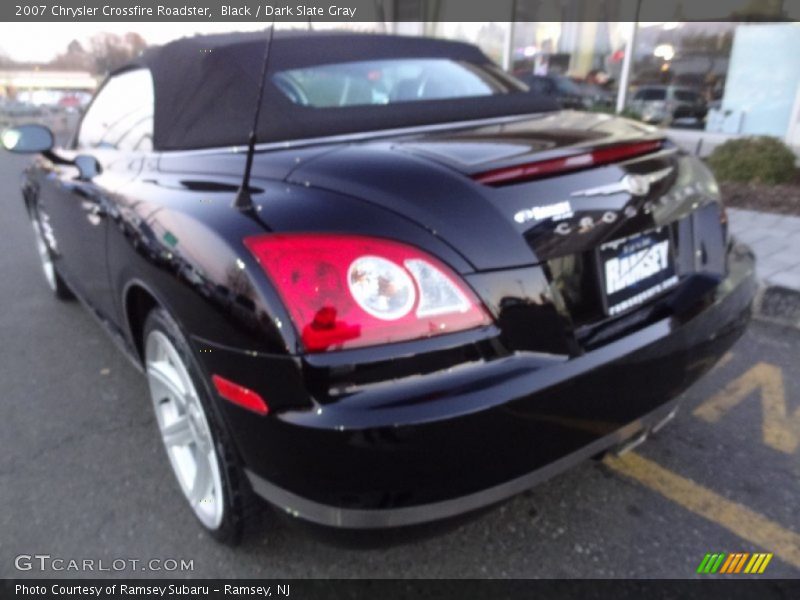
(553, 166)
(347, 291)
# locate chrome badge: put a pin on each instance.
(633, 184)
(557, 211)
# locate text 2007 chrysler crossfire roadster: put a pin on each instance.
(375, 280)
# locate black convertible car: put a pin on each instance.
(415, 290)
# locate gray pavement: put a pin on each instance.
(775, 239)
(83, 476)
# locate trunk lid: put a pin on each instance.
(470, 188)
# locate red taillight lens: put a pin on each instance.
(240, 395)
(543, 168)
(350, 291)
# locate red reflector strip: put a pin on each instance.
(597, 157)
(239, 395)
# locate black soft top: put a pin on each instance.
(206, 88)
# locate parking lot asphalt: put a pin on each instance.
(83, 475)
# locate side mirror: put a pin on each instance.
(88, 167)
(27, 139)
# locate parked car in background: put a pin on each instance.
(13, 109)
(664, 104)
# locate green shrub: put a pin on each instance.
(754, 160)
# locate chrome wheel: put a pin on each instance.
(184, 429)
(44, 256)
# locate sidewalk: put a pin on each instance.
(702, 143)
(775, 239)
(698, 142)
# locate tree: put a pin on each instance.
(111, 51)
(135, 42)
(75, 58)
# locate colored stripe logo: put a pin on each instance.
(737, 562)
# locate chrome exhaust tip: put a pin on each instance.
(663, 422)
(640, 437)
(632, 443)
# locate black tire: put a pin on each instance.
(54, 281)
(241, 508)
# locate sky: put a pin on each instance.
(40, 42)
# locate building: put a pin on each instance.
(45, 87)
(746, 73)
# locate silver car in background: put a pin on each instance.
(663, 104)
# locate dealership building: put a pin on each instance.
(747, 72)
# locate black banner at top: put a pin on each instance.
(396, 10)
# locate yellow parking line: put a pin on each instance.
(740, 520)
(781, 427)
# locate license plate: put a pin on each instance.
(636, 269)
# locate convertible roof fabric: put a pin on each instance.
(206, 88)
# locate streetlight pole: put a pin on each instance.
(627, 61)
(508, 54)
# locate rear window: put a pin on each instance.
(379, 82)
(650, 94)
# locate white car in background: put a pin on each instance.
(663, 104)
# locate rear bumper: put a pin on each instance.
(376, 518)
(435, 446)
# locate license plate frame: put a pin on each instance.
(645, 268)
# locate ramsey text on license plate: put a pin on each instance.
(651, 264)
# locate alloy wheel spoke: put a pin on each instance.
(178, 433)
(202, 478)
(203, 443)
(160, 374)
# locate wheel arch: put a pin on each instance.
(137, 301)
(29, 193)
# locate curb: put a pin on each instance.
(778, 304)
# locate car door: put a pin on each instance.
(110, 140)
